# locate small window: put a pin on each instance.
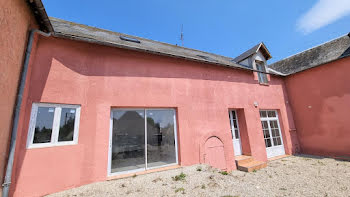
(261, 76)
(53, 125)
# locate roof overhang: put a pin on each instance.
(40, 15)
(264, 51)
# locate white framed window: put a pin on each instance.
(261, 76)
(53, 125)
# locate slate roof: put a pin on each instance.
(252, 51)
(316, 56)
(86, 33)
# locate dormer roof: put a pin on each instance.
(261, 46)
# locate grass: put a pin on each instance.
(199, 169)
(282, 188)
(181, 189)
(180, 177)
(223, 172)
(254, 171)
(203, 186)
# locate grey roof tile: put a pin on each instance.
(86, 33)
(319, 55)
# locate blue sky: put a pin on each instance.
(222, 27)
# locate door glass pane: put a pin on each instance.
(43, 125)
(279, 142)
(236, 133)
(66, 132)
(275, 133)
(160, 138)
(263, 114)
(268, 142)
(233, 115)
(271, 114)
(128, 140)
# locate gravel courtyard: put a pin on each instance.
(291, 176)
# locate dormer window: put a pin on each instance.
(260, 66)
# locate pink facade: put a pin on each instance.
(15, 21)
(100, 78)
(320, 100)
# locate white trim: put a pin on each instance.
(145, 116)
(55, 125)
(175, 136)
(109, 168)
(278, 148)
(233, 131)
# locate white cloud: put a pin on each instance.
(324, 12)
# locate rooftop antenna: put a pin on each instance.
(182, 35)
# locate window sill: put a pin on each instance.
(49, 145)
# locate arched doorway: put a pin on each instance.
(214, 154)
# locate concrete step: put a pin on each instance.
(251, 166)
(242, 159)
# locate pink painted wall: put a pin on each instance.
(99, 78)
(320, 98)
(16, 20)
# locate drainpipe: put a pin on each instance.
(8, 175)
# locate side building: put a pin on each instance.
(318, 85)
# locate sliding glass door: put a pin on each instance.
(142, 139)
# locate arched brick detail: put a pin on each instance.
(227, 148)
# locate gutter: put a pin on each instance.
(9, 167)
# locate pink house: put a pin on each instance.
(98, 105)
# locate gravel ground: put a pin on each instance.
(291, 176)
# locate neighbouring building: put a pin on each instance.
(318, 83)
(99, 105)
(16, 20)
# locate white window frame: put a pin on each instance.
(261, 76)
(55, 127)
(268, 119)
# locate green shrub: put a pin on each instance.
(180, 177)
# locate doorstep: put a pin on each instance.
(248, 163)
(277, 157)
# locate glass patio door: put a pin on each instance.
(272, 133)
(128, 140)
(142, 139)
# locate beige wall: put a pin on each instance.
(15, 21)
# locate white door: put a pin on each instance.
(272, 133)
(236, 138)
